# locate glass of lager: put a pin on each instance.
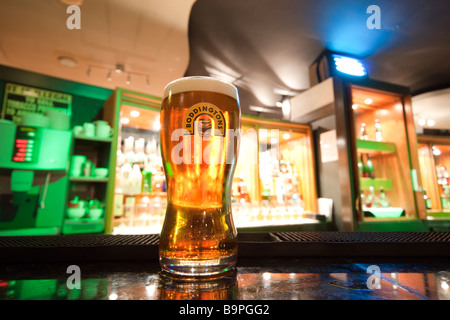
(200, 134)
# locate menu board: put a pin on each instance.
(21, 99)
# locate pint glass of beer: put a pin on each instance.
(200, 134)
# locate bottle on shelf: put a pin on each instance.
(244, 196)
(120, 158)
(129, 206)
(118, 205)
(140, 156)
(362, 167)
(125, 177)
(365, 166)
(371, 201)
(266, 194)
(146, 180)
(384, 203)
(378, 134)
(296, 201)
(128, 149)
(371, 173)
(136, 179)
(363, 135)
(445, 196)
(427, 200)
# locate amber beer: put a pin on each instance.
(200, 132)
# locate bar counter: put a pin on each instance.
(325, 266)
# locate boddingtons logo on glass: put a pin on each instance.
(203, 119)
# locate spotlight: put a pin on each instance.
(349, 65)
(67, 61)
(119, 68)
(135, 113)
(421, 122)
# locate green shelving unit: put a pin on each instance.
(376, 183)
(372, 145)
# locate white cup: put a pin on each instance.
(77, 130)
(89, 129)
(58, 120)
(102, 129)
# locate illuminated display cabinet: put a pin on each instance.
(274, 183)
(434, 158)
(366, 147)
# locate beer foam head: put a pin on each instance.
(200, 84)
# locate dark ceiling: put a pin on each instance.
(265, 47)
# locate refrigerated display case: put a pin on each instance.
(273, 187)
(434, 158)
(138, 193)
(274, 182)
(374, 180)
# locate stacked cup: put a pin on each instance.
(99, 129)
(89, 129)
(35, 120)
(58, 119)
(102, 129)
(76, 165)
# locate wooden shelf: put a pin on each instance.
(366, 183)
(378, 146)
(88, 179)
(84, 220)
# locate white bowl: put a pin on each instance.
(95, 213)
(101, 172)
(75, 213)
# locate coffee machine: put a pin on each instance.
(34, 163)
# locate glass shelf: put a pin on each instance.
(88, 179)
(88, 138)
(376, 183)
(371, 145)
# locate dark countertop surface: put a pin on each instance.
(254, 279)
(271, 266)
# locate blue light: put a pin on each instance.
(349, 65)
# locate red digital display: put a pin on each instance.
(25, 149)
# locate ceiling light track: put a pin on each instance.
(118, 69)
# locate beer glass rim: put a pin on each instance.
(200, 83)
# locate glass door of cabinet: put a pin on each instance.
(442, 159)
(385, 176)
(245, 194)
(434, 159)
(140, 193)
(274, 181)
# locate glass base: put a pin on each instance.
(198, 269)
